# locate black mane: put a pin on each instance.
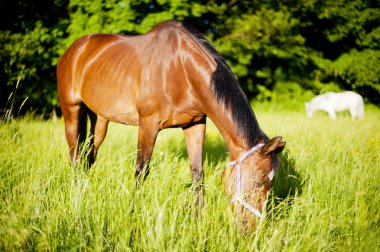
(228, 92)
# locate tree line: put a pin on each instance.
(283, 51)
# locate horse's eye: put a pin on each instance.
(259, 184)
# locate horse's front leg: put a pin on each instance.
(332, 114)
(146, 139)
(195, 136)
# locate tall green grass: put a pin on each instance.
(325, 196)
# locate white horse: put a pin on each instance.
(332, 102)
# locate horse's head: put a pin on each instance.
(248, 180)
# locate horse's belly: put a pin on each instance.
(111, 97)
(342, 105)
(115, 111)
(110, 102)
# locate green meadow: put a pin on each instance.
(325, 196)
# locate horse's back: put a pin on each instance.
(347, 100)
(117, 57)
(350, 96)
(74, 61)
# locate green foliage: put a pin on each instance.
(28, 52)
(127, 17)
(359, 70)
(285, 96)
(325, 196)
(310, 44)
(347, 35)
(266, 48)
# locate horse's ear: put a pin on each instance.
(274, 144)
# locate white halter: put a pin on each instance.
(237, 163)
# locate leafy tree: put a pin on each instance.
(346, 35)
(281, 50)
(282, 47)
(28, 33)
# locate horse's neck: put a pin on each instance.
(237, 140)
(223, 120)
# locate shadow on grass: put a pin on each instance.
(215, 151)
(288, 182)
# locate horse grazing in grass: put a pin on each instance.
(168, 77)
(332, 102)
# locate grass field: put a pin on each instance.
(325, 197)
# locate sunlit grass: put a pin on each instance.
(325, 197)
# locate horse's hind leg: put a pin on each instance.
(357, 111)
(195, 136)
(75, 127)
(354, 113)
(98, 133)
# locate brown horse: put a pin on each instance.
(168, 77)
